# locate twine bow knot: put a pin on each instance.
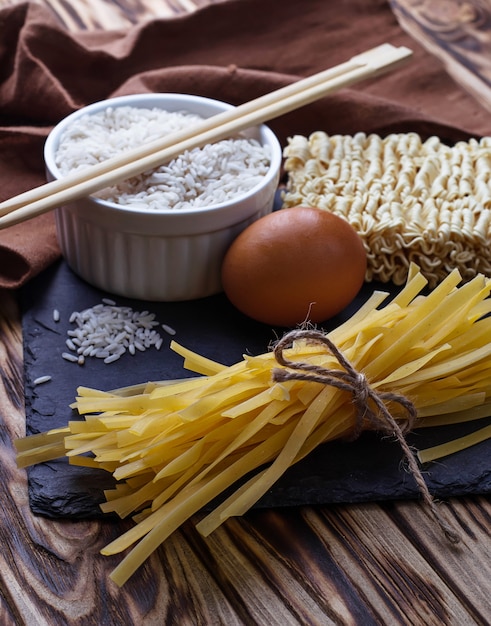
(371, 406)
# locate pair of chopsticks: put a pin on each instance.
(153, 154)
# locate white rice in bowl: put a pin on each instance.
(201, 177)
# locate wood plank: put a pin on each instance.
(466, 568)
(360, 564)
(457, 33)
(367, 564)
(408, 573)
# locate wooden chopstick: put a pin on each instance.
(150, 155)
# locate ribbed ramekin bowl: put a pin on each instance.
(157, 255)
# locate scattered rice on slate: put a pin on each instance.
(107, 331)
(197, 178)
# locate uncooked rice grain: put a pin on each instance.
(168, 329)
(107, 331)
(198, 178)
(41, 380)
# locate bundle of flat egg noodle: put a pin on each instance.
(173, 448)
(411, 201)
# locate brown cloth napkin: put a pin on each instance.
(233, 51)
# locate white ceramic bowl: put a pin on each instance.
(165, 255)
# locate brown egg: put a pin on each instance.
(294, 265)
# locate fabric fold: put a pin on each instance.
(47, 72)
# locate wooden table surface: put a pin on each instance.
(361, 564)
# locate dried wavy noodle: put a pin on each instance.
(412, 201)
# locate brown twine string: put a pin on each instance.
(371, 406)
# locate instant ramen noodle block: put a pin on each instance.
(411, 201)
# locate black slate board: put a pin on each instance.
(369, 469)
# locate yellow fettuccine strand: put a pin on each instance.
(176, 446)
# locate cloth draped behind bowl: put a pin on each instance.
(233, 51)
